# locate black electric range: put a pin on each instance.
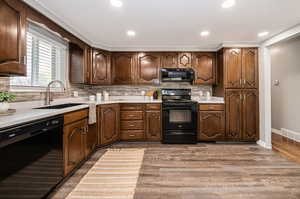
(179, 117)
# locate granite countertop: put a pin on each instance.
(26, 112)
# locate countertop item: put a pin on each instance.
(26, 113)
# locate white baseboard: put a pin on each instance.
(263, 144)
(277, 131)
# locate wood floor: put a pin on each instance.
(207, 171)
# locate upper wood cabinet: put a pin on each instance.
(101, 67)
(12, 38)
(109, 123)
(123, 67)
(78, 63)
(204, 65)
(184, 60)
(148, 68)
(169, 60)
(242, 115)
(241, 68)
(250, 68)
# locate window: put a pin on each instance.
(46, 59)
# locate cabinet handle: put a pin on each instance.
(131, 135)
(241, 97)
(245, 82)
(241, 82)
(131, 125)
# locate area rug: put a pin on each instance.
(114, 176)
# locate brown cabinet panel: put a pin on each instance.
(250, 67)
(148, 68)
(101, 68)
(153, 106)
(250, 115)
(233, 115)
(211, 126)
(12, 38)
(132, 115)
(78, 64)
(123, 66)
(75, 116)
(132, 107)
(74, 151)
(184, 60)
(153, 125)
(109, 123)
(91, 139)
(133, 135)
(211, 107)
(169, 60)
(204, 65)
(233, 68)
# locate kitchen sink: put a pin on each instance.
(60, 106)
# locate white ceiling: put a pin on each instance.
(171, 24)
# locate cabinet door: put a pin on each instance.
(123, 68)
(148, 68)
(109, 123)
(153, 125)
(101, 68)
(233, 68)
(77, 55)
(211, 126)
(250, 67)
(204, 65)
(184, 60)
(169, 60)
(12, 38)
(250, 115)
(91, 139)
(74, 144)
(233, 115)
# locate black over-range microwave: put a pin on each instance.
(177, 75)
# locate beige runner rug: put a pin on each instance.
(114, 176)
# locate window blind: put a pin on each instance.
(46, 58)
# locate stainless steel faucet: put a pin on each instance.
(49, 96)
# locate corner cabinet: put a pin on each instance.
(12, 38)
(148, 68)
(242, 115)
(108, 115)
(123, 67)
(204, 65)
(100, 68)
(78, 58)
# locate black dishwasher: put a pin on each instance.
(31, 158)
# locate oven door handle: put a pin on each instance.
(177, 108)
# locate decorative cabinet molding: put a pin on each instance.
(148, 68)
(153, 125)
(101, 68)
(211, 126)
(204, 65)
(123, 67)
(169, 60)
(184, 60)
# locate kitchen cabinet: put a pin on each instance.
(109, 123)
(204, 65)
(132, 122)
(78, 64)
(123, 67)
(153, 125)
(148, 68)
(169, 60)
(241, 68)
(242, 114)
(12, 38)
(184, 60)
(91, 139)
(101, 68)
(74, 151)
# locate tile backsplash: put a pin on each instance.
(121, 90)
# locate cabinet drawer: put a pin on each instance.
(132, 125)
(153, 106)
(132, 107)
(75, 116)
(211, 107)
(133, 135)
(131, 115)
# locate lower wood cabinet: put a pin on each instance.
(108, 123)
(91, 139)
(74, 146)
(211, 122)
(242, 115)
(153, 125)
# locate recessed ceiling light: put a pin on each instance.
(263, 34)
(130, 33)
(205, 33)
(116, 3)
(228, 3)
